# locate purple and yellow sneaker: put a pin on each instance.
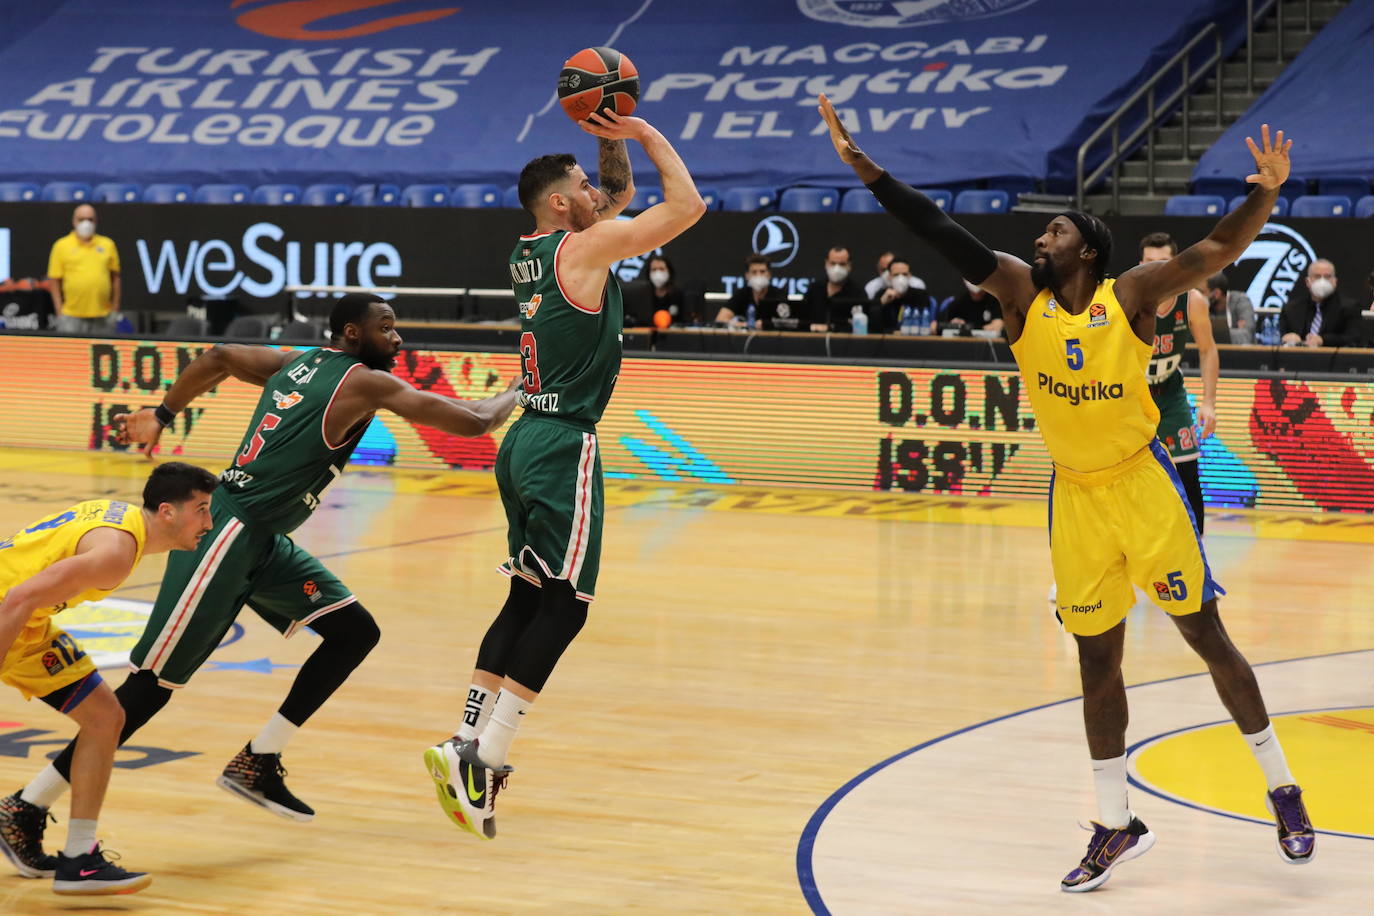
(1109, 847)
(1297, 839)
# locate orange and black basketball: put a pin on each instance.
(598, 79)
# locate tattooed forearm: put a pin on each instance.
(613, 170)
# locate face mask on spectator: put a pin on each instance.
(887, 278)
(85, 228)
(659, 278)
(901, 283)
(1322, 288)
(836, 272)
(760, 283)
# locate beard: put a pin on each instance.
(1043, 274)
(377, 358)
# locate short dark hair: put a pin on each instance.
(1158, 240)
(540, 174)
(1218, 281)
(757, 259)
(351, 309)
(899, 259)
(175, 482)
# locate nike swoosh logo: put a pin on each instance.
(1264, 742)
(87, 872)
(475, 795)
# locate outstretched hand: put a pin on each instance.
(608, 125)
(848, 151)
(140, 427)
(1271, 162)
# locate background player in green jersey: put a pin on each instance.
(549, 465)
(1178, 321)
(315, 405)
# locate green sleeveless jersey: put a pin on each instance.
(285, 461)
(1172, 335)
(569, 351)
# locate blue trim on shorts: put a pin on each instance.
(1210, 587)
(65, 699)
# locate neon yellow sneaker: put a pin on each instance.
(465, 786)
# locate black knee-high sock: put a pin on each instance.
(349, 634)
(560, 618)
(141, 696)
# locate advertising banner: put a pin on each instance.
(1279, 444)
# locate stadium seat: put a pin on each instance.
(425, 195)
(186, 326)
(1293, 188)
(117, 192)
(747, 200)
(1352, 186)
(302, 332)
(646, 197)
(326, 195)
(474, 196)
(1195, 205)
(943, 199)
(247, 327)
(859, 200)
(376, 195)
(511, 198)
(66, 191)
(276, 195)
(19, 190)
(809, 200)
(1320, 205)
(1364, 207)
(167, 194)
(711, 197)
(982, 202)
(1279, 211)
(1013, 184)
(1219, 186)
(223, 194)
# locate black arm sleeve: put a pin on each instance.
(974, 260)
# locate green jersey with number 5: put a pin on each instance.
(286, 459)
(569, 351)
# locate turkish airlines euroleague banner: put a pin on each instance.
(1280, 444)
(404, 91)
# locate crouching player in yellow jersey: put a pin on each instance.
(79, 555)
(1118, 514)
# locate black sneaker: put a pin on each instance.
(21, 837)
(95, 873)
(258, 778)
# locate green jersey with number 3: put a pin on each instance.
(569, 351)
(285, 460)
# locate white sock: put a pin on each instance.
(274, 735)
(1109, 778)
(476, 712)
(80, 837)
(47, 787)
(506, 716)
(1267, 750)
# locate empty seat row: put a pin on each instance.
(1351, 186)
(1311, 205)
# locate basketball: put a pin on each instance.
(598, 79)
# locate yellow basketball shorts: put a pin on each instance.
(1128, 524)
(43, 666)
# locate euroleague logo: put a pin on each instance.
(291, 19)
(888, 14)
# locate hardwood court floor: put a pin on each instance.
(751, 652)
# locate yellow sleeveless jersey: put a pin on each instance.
(25, 554)
(1085, 377)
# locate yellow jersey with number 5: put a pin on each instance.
(33, 549)
(1085, 377)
